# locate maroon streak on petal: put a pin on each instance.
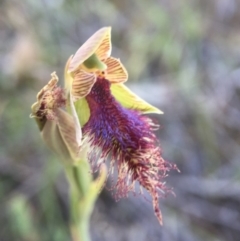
(116, 72)
(82, 84)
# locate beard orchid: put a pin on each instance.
(114, 124)
(108, 121)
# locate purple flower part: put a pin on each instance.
(126, 137)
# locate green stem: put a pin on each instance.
(81, 207)
(83, 194)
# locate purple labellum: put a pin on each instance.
(126, 137)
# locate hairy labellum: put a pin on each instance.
(126, 137)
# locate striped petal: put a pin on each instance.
(82, 84)
(131, 101)
(98, 42)
(105, 48)
(116, 72)
(60, 136)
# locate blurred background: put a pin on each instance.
(182, 56)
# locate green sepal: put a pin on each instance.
(131, 101)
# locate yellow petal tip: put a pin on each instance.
(131, 101)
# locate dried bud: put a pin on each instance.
(56, 125)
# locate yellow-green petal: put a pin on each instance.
(68, 79)
(77, 125)
(82, 110)
(131, 101)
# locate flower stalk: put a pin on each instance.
(80, 210)
(83, 194)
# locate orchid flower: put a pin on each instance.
(110, 120)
